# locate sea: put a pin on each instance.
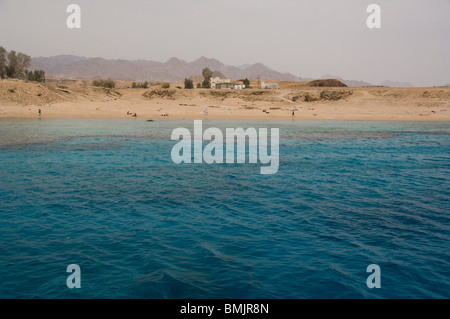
(105, 194)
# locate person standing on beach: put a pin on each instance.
(293, 113)
(39, 111)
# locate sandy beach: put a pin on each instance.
(20, 99)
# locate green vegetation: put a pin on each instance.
(14, 65)
(104, 83)
(18, 63)
(188, 84)
(3, 63)
(135, 85)
(246, 82)
(207, 74)
(36, 76)
(165, 85)
(199, 86)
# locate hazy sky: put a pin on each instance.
(309, 38)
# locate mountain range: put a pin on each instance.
(363, 83)
(173, 70)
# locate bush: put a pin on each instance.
(110, 84)
(309, 98)
(135, 85)
(160, 93)
(165, 85)
(206, 84)
(188, 84)
(199, 86)
(334, 95)
(36, 76)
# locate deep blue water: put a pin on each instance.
(104, 194)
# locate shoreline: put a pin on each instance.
(191, 116)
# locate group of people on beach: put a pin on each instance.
(131, 113)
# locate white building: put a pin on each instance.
(218, 80)
(270, 86)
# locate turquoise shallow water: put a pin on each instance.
(104, 194)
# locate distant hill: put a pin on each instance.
(347, 82)
(326, 83)
(55, 61)
(362, 83)
(174, 69)
(396, 84)
(244, 66)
